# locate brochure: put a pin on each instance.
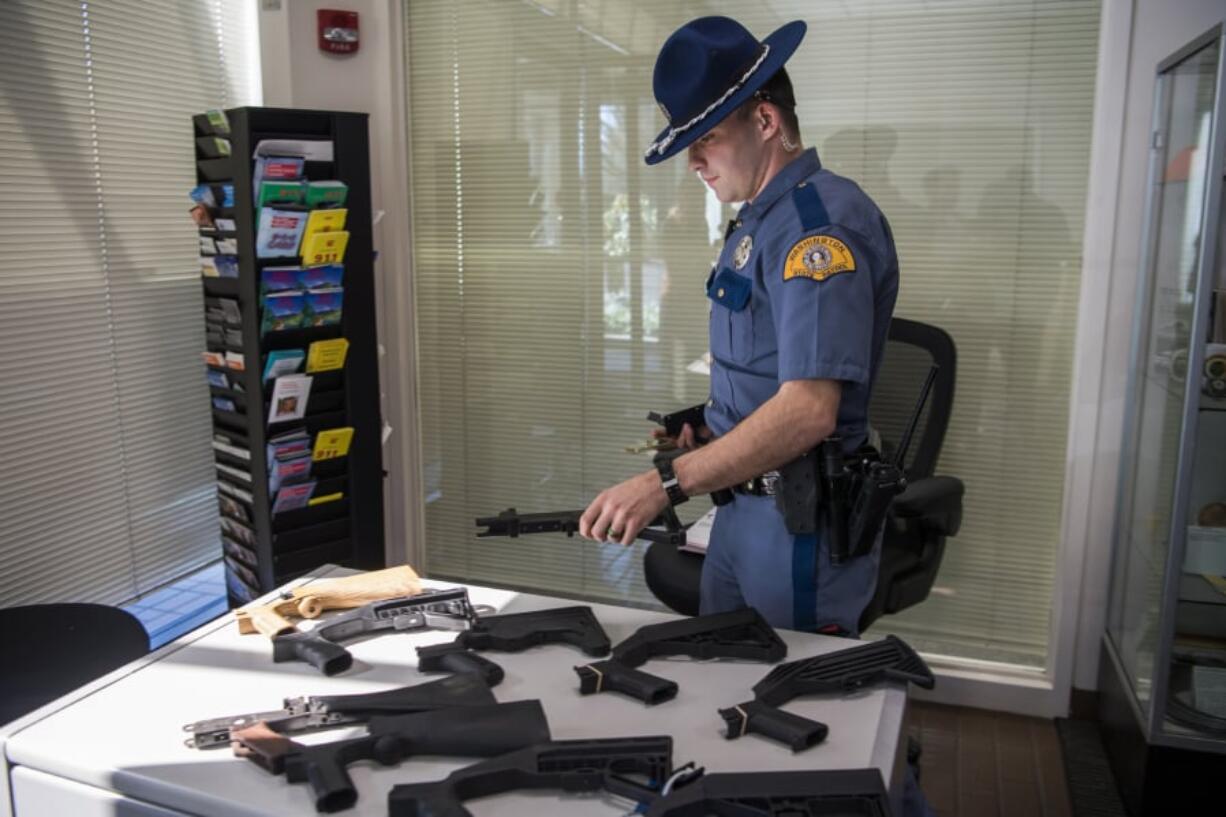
(325, 277)
(279, 279)
(292, 497)
(275, 193)
(281, 362)
(279, 233)
(288, 471)
(235, 491)
(233, 450)
(323, 307)
(326, 194)
(234, 473)
(282, 310)
(325, 248)
(312, 150)
(275, 169)
(332, 443)
(219, 121)
(289, 398)
(326, 355)
(289, 444)
(323, 221)
(233, 508)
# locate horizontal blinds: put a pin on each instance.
(101, 294)
(560, 281)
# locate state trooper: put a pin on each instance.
(801, 300)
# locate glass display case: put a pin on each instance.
(1165, 645)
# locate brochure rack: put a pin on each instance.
(343, 522)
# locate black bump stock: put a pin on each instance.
(318, 646)
(515, 632)
(742, 634)
(844, 671)
(326, 711)
(452, 691)
(851, 792)
(478, 731)
(631, 767)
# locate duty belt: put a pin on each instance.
(762, 485)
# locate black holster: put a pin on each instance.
(844, 497)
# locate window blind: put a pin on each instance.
(560, 281)
(108, 488)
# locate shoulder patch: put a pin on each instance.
(818, 257)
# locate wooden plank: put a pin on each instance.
(1049, 763)
(937, 731)
(1018, 778)
(978, 786)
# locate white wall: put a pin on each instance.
(296, 74)
(1158, 28)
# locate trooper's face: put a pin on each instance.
(729, 158)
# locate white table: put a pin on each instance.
(116, 746)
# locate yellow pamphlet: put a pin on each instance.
(319, 500)
(331, 443)
(323, 221)
(324, 248)
(326, 355)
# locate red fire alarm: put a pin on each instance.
(338, 31)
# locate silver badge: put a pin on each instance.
(740, 256)
(818, 258)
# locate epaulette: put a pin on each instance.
(810, 207)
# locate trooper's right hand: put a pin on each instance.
(687, 439)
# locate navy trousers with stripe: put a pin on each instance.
(753, 561)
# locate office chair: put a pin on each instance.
(51, 649)
(919, 520)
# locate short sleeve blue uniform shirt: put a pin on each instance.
(804, 288)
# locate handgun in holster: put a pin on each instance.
(845, 496)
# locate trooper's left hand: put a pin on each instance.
(620, 512)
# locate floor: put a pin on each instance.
(989, 764)
(171, 611)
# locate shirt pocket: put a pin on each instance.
(731, 316)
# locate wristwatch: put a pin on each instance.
(664, 465)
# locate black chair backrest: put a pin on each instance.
(51, 649)
(910, 350)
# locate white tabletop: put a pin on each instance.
(124, 734)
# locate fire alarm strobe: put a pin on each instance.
(338, 31)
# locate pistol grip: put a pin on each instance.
(613, 676)
(325, 656)
(458, 661)
(792, 730)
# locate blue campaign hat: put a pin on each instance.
(708, 68)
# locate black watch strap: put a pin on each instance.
(668, 477)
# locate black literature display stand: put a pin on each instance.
(295, 408)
